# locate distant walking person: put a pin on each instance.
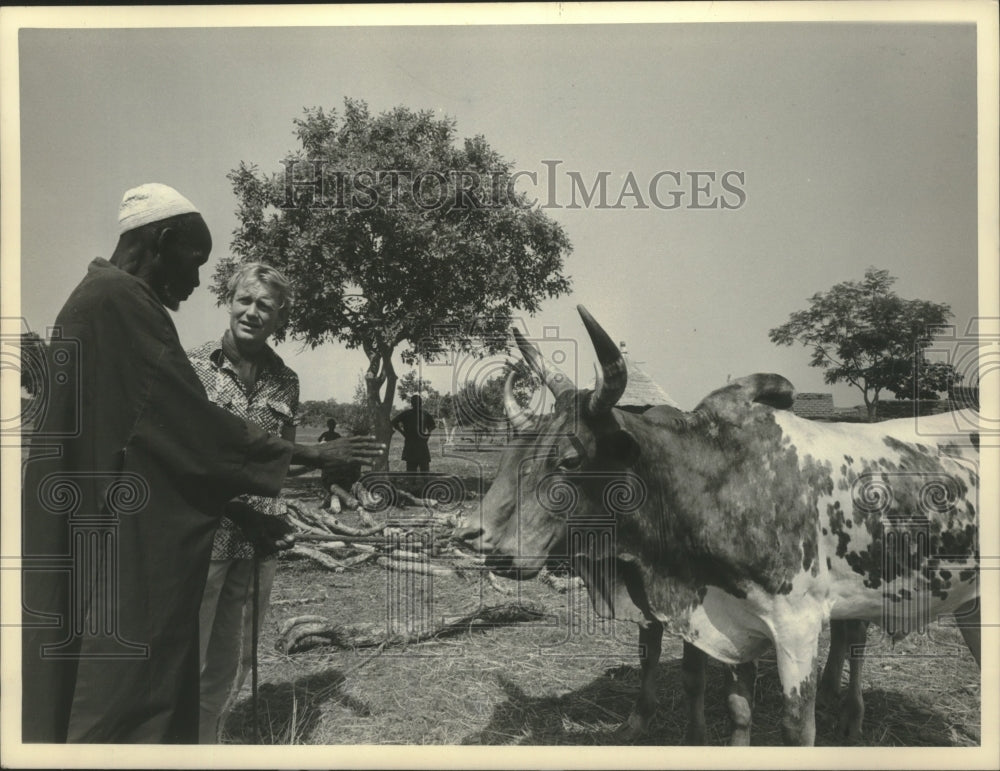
(415, 425)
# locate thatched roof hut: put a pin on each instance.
(815, 406)
(642, 391)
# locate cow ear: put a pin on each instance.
(619, 446)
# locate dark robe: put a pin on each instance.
(129, 468)
(416, 427)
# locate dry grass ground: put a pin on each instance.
(570, 679)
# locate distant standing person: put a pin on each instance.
(331, 432)
(337, 483)
(415, 425)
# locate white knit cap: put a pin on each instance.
(151, 203)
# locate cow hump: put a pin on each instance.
(761, 387)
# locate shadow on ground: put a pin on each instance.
(587, 716)
(290, 712)
(591, 714)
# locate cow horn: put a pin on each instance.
(520, 418)
(612, 377)
(550, 374)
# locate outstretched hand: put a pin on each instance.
(333, 456)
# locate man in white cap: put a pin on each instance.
(131, 467)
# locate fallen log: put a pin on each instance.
(413, 544)
(352, 539)
(407, 556)
(319, 631)
(338, 563)
(333, 524)
(414, 522)
(495, 583)
(287, 624)
(298, 601)
(339, 495)
(332, 545)
(339, 527)
(295, 493)
(423, 568)
(302, 528)
(561, 584)
(323, 559)
(305, 632)
(358, 559)
(311, 517)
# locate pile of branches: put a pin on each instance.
(420, 543)
(417, 544)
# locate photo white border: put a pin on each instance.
(982, 13)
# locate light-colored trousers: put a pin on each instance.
(225, 630)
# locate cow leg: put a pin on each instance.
(829, 682)
(967, 618)
(796, 645)
(650, 643)
(693, 666)
(852, 708)
(739, 698)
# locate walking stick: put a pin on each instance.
(253, 648)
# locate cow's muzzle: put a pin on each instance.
(470, 537)
(505, 565)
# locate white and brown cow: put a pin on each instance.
(739, 526)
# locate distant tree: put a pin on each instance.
(410, 384)
(395, 235)
(479, 407)
(446, 406)
(446, 417)
(351, 416)
(355, 416)
(929, 381)
(864, 334)
(316, 413)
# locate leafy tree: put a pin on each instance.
(446, 406)
(355, 416)
(315, 413)
(352, 417)
(480, 406)
(399, 240)
(928, 381)
(864, 334)
(410, 384)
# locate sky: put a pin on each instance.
(856, 143)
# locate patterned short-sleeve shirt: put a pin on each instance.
(272, 404)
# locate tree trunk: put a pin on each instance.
(381, 373)
(872, 406)
(383, 433)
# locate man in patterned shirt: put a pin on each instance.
(244, 375)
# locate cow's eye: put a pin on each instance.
(570, 462)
